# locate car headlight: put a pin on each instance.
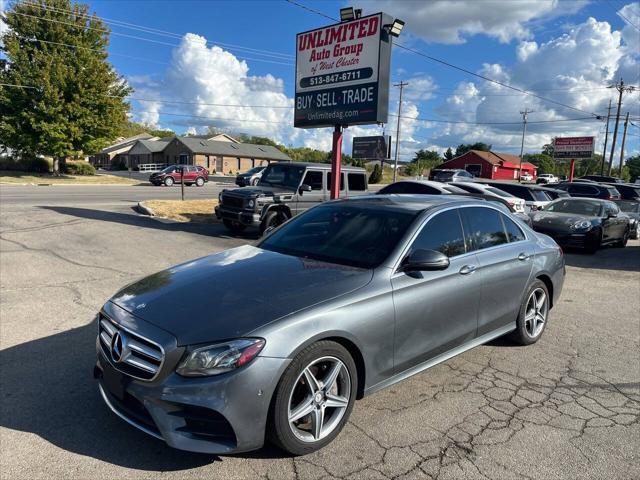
(251, 203)
(581, 225)
(220, 358)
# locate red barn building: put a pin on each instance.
(492, 165)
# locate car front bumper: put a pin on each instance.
(571, 239)
(248, 218)
(220, 414)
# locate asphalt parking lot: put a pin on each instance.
(567, 407)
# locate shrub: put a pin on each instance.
(25, 164)
(376, 175)
(79, 168)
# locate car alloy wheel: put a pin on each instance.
(536, 312)
(319, 399)
(169, 181)
(199, 181)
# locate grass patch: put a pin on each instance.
(98, 179)
(195, 211)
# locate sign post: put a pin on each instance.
(573, 148)
(342, 78)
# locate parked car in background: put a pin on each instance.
(526, 177)
(590, 190)
(547, 178)
(601, 178)
(191, 174)
(250, 177)
(342, 301)
(628, 191)
(586, 223)
(450, 175)
(534, 197)
(553, 193)
(424, 187)
(631, 208)
(474, 187)
(285, 190)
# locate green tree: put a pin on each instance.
(376, 175)
(75, 100)
(133, 128)
(448, 155)
(465, 147)
(633, 164)
(545, 163)
(547, 149)
(423, 160)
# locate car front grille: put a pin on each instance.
(232, 202)
(130, 353)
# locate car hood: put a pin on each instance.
(231, 293)
(559, 220)
(258, 191)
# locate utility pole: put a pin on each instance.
(624, 137)
(524, 132)
(606, 137)
(395, 169)
(621, 89)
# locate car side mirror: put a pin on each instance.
(612, 215)
(425, 260)
(304, 188)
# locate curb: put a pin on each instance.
(143, 209)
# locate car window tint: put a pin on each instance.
(485, 228)
(500, 193)
(540, 196)
(442, 233)
(408, 187)
(313, 179)
(470, 188)
(514, 232)
(613, 191)
(329, 181)
(357, 182)
(583, 189)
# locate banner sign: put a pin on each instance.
(371, 148)
(342, 73)
(573, 147)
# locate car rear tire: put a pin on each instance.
(274, 219)
(234, 226)
(313, 399)
(169, 181)
(533, 315)
(200, 181)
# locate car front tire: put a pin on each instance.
(272, 219)
(533, 315)
(255, 181)
(169, 181)
(314, 398)
(624, 240)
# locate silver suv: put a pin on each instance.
(284, 190)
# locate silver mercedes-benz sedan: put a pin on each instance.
(277, 341)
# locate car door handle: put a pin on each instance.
(467, 269)
(522, 257)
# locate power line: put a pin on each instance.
(469, 72)
(629, 22)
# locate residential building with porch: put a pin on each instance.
(118, 151)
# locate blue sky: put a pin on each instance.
(568, 51)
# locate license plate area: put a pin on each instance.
(114, 381)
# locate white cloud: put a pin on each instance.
(446, 21)
(4, 28)
(573, 69)
(630, 14)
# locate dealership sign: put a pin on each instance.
(573, 147)
(342, 73)
(371, 148)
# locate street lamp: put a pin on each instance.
(396, 27)
(347, 14)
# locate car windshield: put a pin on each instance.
(499, 192)
(443, 176)
(629, 206)
(356, 235)
(287, 176)
(579, 207)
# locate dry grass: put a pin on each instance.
(195, 211)
(45, 178)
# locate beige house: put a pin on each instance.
(118, 151)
